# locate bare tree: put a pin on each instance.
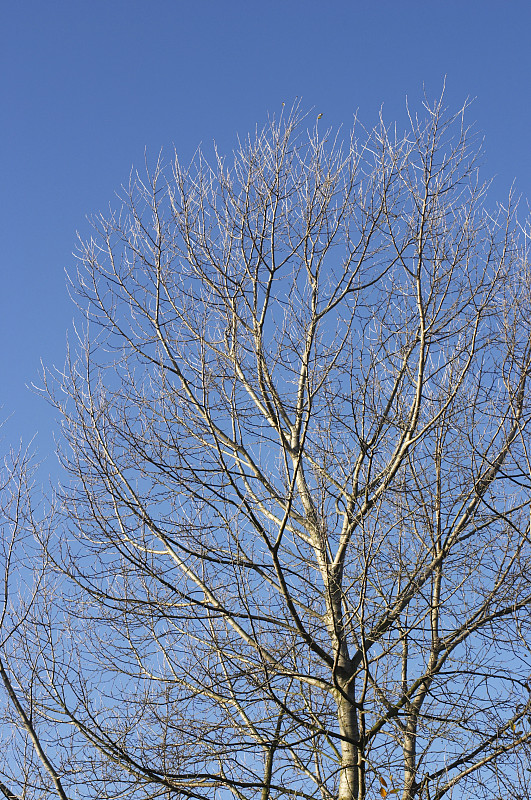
(26, 769)
(294, 557)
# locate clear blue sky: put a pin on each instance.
(88, 84)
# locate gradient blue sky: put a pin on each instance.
(88, 85)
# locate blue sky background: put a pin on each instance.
(87, 86)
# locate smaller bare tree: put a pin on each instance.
(26, 766)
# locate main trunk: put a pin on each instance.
(352, 774)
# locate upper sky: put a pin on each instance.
(89, 85)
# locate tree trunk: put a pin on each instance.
(352, 775)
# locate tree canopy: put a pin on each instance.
(292, 557)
